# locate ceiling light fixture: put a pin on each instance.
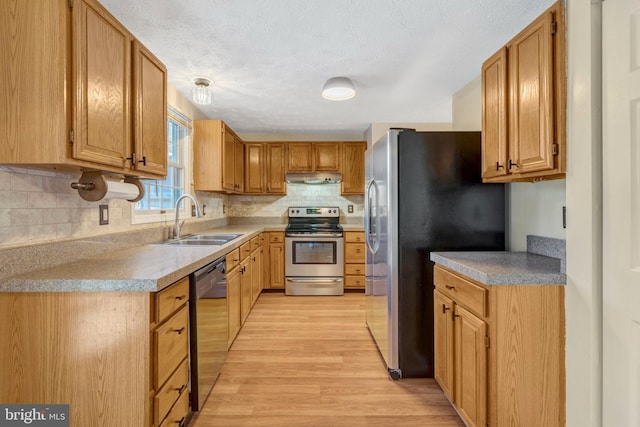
(338, 89)
(201, 94)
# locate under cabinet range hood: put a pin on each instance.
(313, 178)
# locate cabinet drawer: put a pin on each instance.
(276, 237)
(264, 238)
(462, 291)
(171, 345)
(354, 236)
(354, 253)
(169, 393)
(245, 250)
(178, 414)
(354, 281)
(354, 269)
(255, 243)
(233, 259)
(170, 299)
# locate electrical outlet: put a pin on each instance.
(224, 209)
(204, 210)
(350, 208)
(104, 214)
(193, 210)
(564, 217)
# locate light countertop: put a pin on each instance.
(147, 268)
(503, 268)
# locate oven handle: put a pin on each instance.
(313, 280)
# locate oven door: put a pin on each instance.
(311, 256)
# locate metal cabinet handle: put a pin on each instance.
(181, 297)
(499, 166)
(512, 164)
(179, 331)
(450, 287)
(180, 389)
(444, 309)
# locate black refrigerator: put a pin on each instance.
(423, 193)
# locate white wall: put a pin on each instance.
(377, 130)
(533, 208)
(583, 294)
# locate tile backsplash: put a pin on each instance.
(40, 206)
(246, 207)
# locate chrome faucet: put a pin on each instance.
(176, 225)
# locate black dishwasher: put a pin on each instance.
(209, 328)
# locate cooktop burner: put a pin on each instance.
(310, 220)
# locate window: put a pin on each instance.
(160, 196)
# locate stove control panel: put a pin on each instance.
(314, 212)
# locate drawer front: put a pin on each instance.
(354, 281)
(178, 414)
(354, 236)
(177, 385)
(170, 299)
(276, 237)
(233, 259)
(255, 243)
(354, 269)
(462, 291)
(171, 345)
(245, 250)
(354, 253)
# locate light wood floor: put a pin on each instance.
(310, 361)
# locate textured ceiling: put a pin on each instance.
(268, 59)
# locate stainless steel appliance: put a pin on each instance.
(314, 252)
(209, 328)
(423, 193)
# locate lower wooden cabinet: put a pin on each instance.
(233, 303)
(245, 289)
(276, 260)
(354, 260)
(499, 350)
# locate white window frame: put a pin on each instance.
(164, 215)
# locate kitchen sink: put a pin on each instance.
(202, 240)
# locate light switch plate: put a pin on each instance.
(104, 214)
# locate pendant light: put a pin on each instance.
(201, 94)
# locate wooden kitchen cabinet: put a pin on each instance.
(313, 156)
(353, 167)
(276, 260)
(233, 303)
(245, 289)
(499, 350)
(524, 104)
(218, 164)
(354, 260)
(84, 93)
(265, 168)
(266, 260)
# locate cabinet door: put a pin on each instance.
(275, 164)
(531, 116)
(256, 275)
(254, 168)
(300, 157)
(239, 166)
(326, 156)
(101, 65)
(276, 256)
(233, 303)
(150, 111)
(245, 289)
(494, 115)
(228, 159)
(470, 367)
(443, 343)
(266, 267)
(353, 167)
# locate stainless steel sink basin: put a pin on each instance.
(202, 240)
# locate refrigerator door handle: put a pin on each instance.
(370, 235)
(367, 223)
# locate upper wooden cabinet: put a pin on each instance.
(218, 163)
(83, 94)
(313, 156)
(264, 168)
(524, 104)
(353, 167)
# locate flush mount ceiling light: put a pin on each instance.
(338, 89)
(201, 94)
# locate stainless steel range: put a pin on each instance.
(314, 253)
